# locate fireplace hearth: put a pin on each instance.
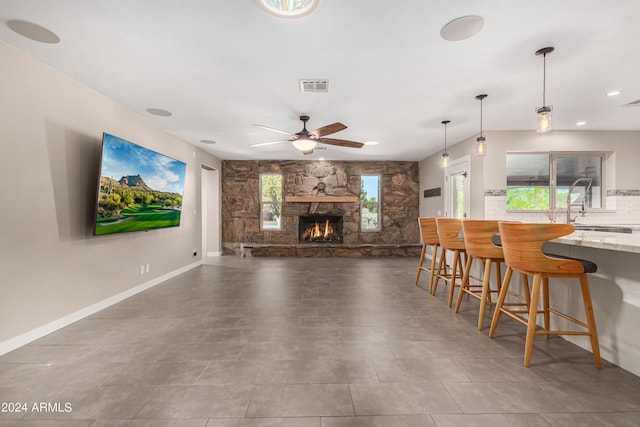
(320, 229)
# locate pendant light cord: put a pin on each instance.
(544, 79)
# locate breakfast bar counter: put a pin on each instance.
(615, 289)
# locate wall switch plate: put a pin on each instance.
(142, 269)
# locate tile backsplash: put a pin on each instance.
(622, 207)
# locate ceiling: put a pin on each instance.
(220, 66)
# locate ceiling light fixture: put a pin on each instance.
(481, 146)
(304, 144)
(159, 112)
(289, 8)
(582, 123)
(445, 155)
(614, 93)
(33, 31)
(544, 113)
(462, 28)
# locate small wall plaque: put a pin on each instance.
(432, 192)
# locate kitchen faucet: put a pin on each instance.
(583, 204)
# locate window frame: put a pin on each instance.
(270, 202)
(553, 189)
(378, 204)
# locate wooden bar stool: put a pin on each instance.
(522, 247)
(477, 240)
(429, 231)
(449, 231)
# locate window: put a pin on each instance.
(369, 203)
(270, 201)
(539, 181)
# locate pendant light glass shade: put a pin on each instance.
(545, 122)
(445, 155)
(481, 142)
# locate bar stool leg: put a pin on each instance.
(424, 250)
(486, 294)
(533, 313)
(457, 266)
(441, 261)
(591, 320)
(464, 284)
(545, 302)
(433, 271)
(500, 303)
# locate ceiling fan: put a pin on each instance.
(306, 141)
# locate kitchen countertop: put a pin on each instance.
(623, 242)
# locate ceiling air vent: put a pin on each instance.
(314, 85)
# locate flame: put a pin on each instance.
(318, 231)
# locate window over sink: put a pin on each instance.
(541, 181)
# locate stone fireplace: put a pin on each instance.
(337, 207)
(320, 229)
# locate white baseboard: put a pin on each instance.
(214, 253)
(50, 327)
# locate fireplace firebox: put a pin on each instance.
(320, 229)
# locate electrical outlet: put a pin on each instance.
(142, 269)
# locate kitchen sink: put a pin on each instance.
(603, 228)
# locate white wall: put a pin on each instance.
(50, 137)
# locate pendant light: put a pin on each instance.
(544, 112)
(481, 146)
(445, 155)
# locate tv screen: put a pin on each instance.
(139, 188)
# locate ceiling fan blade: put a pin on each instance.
(260, 144)
(273, 130)
(328, 129)
(341, 142)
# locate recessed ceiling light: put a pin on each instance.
(462, 28)
(371, 143)
(289, 8)
(614, 93)
(581, 123)
(159, 112)
(33, 31)
(207, 141)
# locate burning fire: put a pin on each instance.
(318, 232)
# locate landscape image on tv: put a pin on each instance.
(139, 189)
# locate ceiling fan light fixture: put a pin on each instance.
(289, 8)
(305, 144)
(545, 118)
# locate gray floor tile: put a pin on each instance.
(200, 401)
(489, 420)
(626, 419)
(380, 421)
(402, 398)
(279, 342)
(300, 400)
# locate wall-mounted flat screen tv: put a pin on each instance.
(139, 189)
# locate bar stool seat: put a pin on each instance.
(449, 232)
(478, 236)
(522, 247)
(429, 232)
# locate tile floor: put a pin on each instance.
(330, 342)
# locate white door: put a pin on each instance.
(458, 188)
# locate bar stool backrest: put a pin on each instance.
(449, 233)
(477, 238)
(429, 231)
(522, 247)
